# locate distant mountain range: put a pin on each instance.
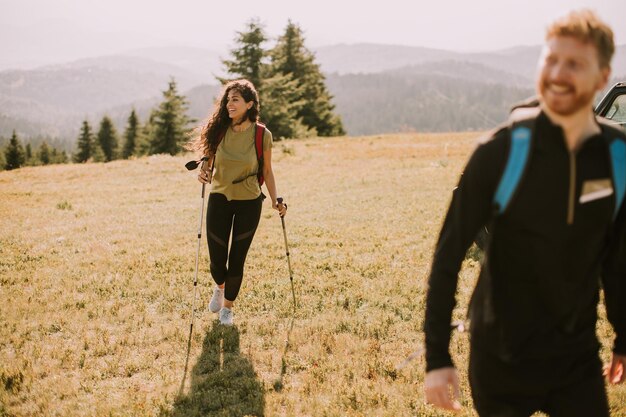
(369, 58)
(376, 88)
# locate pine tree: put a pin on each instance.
(30, 157)
(29, 152)
(142, 147)
(85, 144)
(107, 139)
(131, 135)
(279, 96)
(54, 156)
(291, 57)
(3, 161)
(44, 153)
(97, 154)
(58, 157)
(248, 55)
(280, 104)
(170, 123)
(14, 153)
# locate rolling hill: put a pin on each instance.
(377, 88)
(370, 58)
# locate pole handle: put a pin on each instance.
(279, 200)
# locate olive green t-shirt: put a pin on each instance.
(235, 159)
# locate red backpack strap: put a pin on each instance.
(258, 142)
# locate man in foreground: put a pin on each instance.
(533, 313)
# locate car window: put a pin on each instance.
(617, 111)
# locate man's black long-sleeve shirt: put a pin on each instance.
(547, 253)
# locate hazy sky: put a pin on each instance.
(56, 30)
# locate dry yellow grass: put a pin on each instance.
(96, 272)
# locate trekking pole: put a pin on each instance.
(191, 166)
(195, 277)
(282, 220)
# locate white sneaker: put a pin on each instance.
(217, 300)
(226, 316)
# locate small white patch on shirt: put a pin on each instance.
(595, 189)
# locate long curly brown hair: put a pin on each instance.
(218, 123)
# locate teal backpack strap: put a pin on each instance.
(617, 149)
(519, 150)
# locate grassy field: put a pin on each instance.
(96, 274)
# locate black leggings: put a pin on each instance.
(242, 216)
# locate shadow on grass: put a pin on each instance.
(223, 382)
(279, 383)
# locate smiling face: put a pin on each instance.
(236, 106)
(569, 75)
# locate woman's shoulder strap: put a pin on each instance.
(258, 146)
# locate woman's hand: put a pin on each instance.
(204, 176)
(281, 207)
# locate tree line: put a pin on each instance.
(16, 155)
(294, 103)
(164, 131)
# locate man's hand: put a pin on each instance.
(441, 387)
(615, 371)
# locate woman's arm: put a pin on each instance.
(270, 182)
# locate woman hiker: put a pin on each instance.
(235, 198)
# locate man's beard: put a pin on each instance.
(571, 106)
